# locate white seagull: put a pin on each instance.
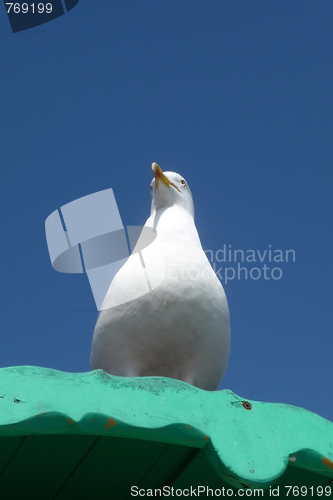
(178, 327)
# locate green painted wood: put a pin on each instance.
(137, 458)
(48, 460)
(92, 418)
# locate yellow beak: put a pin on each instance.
(159, 176)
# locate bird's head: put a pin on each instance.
(169, 189)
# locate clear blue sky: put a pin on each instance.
(235, 96)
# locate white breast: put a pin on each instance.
(176, 321)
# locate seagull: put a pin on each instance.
(179, 326)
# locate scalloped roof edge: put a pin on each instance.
(248, 443)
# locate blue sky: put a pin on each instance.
(235, 96)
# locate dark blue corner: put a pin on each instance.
(28, 14)
(70, 4)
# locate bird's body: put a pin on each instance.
(179, 329)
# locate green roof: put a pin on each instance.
(93, 435)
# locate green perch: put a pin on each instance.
(248, 443)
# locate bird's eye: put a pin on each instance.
(183, 183)
(151, 188)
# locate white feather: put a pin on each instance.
(179, 329)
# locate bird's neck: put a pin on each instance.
(175, 224)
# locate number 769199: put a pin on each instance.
(40, 8)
